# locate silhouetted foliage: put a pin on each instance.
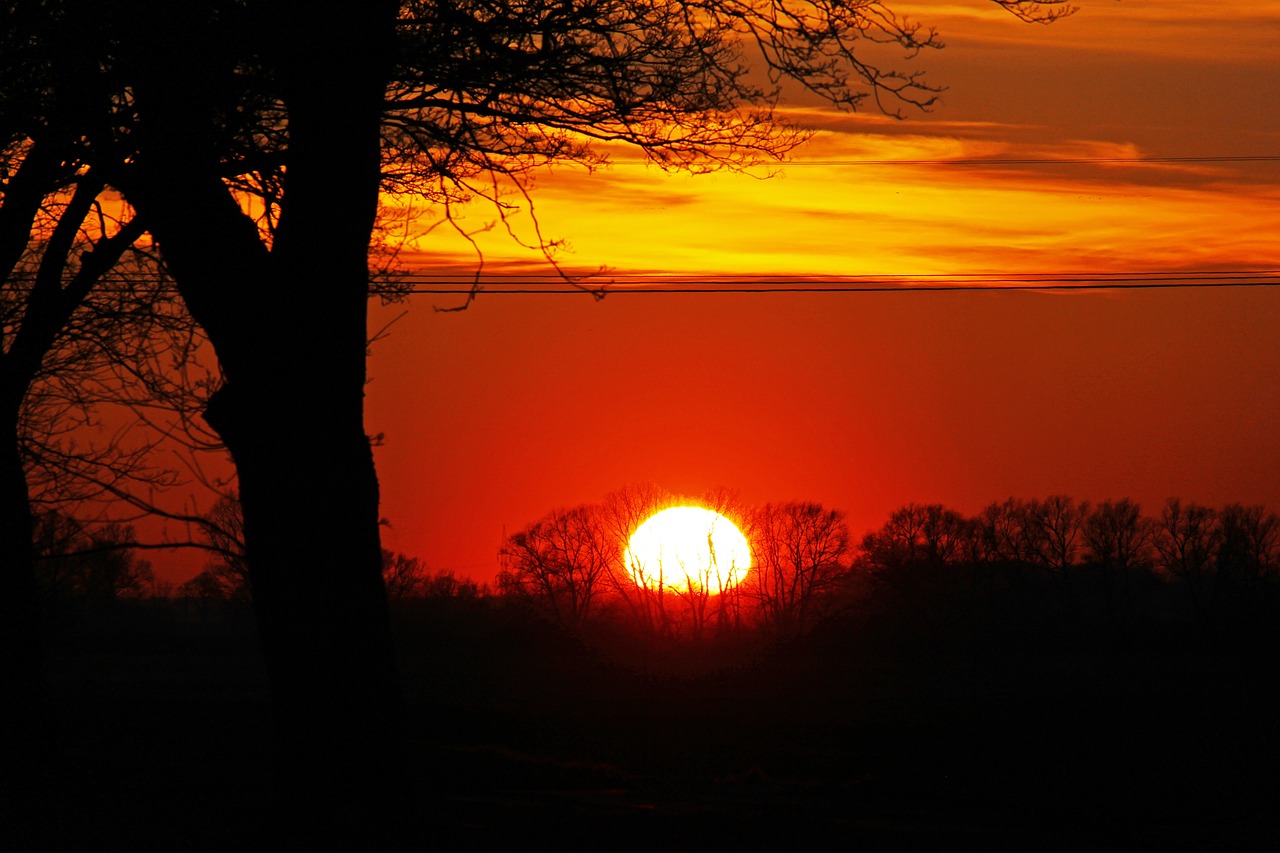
(227, 575)
(572, 565)
(97, 564)
(1188, 540)
(560, 561)
(87, 319)
(1249, 550)
(409, 578)
(652, 608)
(1223, 560)
(799, 555)
(924, 555)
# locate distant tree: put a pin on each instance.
(1188, 539)
(1053, 532)
(227, 574)
(651, 607)
(1000, 540)
(92, 564)
(204, 587)
(1118, 546)
(1116, 536)
(405, 576)
(694, 597)
(442, 585)
(923, 553)
(731, 601)
(1053, 538)
(1249, 552)
(560, 561)
(798, 555)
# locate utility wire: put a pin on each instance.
(445, 283)
(924, 283)
(1038, 161)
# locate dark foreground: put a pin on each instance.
(888, 734)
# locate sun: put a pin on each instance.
(689, 548)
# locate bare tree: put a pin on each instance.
(406, 577)
(1250, 549)
(925, 553)
(559, 561)
(96, 565)
(647, 600)
(87, 321)
(227, 574)
(1000, 540)
(444, 584)
(1053, 532)
(1118, 544)
(1188, 540)
(1115, 536)
(799, 552)
(1053, 536)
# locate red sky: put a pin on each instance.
(863, 402)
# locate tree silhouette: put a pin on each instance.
(1053, 536)
(798, 555)
(408, 578)
(921, 555)
(1222, 559)
(1250, 549)
(85, 316)
(650, 605)
(1118, 546)
(227, 575)
(1188, 539)
(560, 561)
(97, 565)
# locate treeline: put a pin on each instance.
(570, 565)
(77, 561)
(1054, 559)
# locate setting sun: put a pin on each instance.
(688, 548)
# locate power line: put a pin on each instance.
(923, 283)
(1040, 161)
(551, 284)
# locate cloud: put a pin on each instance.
(855, 202)
(1169, 29)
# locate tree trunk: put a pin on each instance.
(18, 600)
(288, 325)
(22, 671)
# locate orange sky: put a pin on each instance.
(495, 415)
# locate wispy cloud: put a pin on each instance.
(1246, 31)
(855, 202)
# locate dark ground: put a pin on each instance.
(881, 732)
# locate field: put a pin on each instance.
(886, 732)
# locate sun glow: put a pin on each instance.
(688, 548)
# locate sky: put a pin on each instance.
(863, 402)
(1135, 117)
